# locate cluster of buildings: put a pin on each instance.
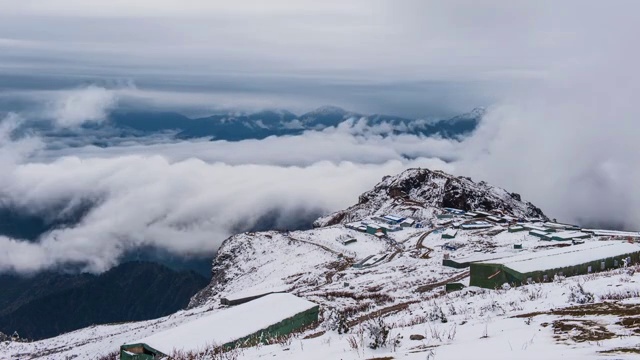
(253, 318)
(382, 225)
(545, 230)
(494, 269)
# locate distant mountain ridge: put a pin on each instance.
(266, 123)
(241, 126)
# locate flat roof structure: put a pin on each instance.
(570, 255)
(449, 233)
(463, 262)
(476, 225)
(270, 314)
(536, 227)
(544, 265)
(598, 232)
(569, 235)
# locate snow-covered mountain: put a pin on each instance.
(421, 193)
(127, 124)
(395, 282)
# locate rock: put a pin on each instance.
(416, 337)
(416, 192)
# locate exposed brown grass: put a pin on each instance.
(315, 335)
(626, 350)
(632, 323)
(378, 298)
(428, 287)
(580, 330)
(114, 355)
(606, 308)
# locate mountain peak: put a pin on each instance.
(475, 115)
(421, 193)
(324, 116)
(328, 109)
(284, 113)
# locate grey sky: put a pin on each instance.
(406, 57)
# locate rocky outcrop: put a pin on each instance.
(419, 193)
(422, 192)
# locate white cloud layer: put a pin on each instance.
(566, 141)
(176, 200)
(89, 104)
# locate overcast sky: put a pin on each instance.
(417, 58)
(560, 81)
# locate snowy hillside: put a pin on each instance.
(421, 193)
(382, 287)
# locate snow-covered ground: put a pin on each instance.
(405, 289)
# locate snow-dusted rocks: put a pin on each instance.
(422, 193)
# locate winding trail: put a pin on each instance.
(428, 287)
(381, 312)
(424, 236)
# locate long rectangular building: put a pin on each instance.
(261, 319)
(544, 265)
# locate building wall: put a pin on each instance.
(140, 352)
(285, 327)
(480, 272)
(596, 266)
(557, 238)
(454, 264)
(451, 287)
(538, 235)
(372, 230)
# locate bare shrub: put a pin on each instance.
(378, 333)
(532, 293)
(377, 298)
(440, 335)
(485, 333)
(579, 295)
(353, 342)
(114, 355)
(620, 295)
(452, 309)
(436, 314)
(338, 321)
(453, 331)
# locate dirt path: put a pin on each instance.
(428, 287)
(427, 254)
(424, 236)
(369, 316)
(393, 255)
(329, 276)
(318, 245)
(381, 312)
